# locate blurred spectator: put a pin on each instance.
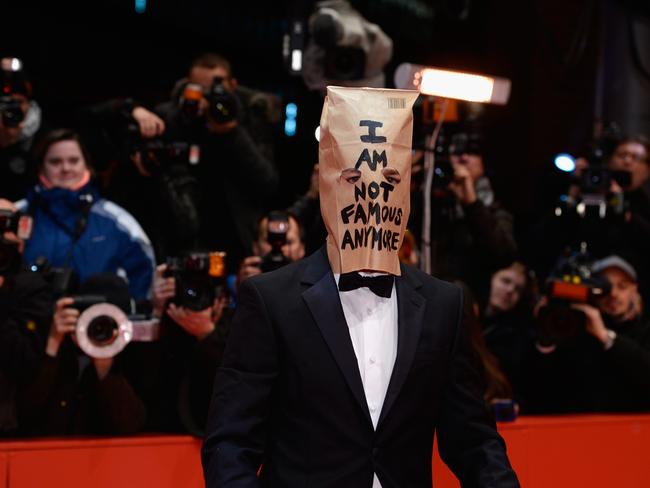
(471, 234)
(631, 155)
(74, 394)
(177, 372)
(20, 123)
(74, 227)
(508, 323)
(306, 209)
(145, 172)
(497, 386)
(25, 314)
(232, 127)
(606, 367)
(293, 248)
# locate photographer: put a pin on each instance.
(306, 209)
(606, 365)
(231, 126)
(273, 239)
(178, 370)
(145, 172)
(74, 394)
(632, 156)
(606, 206)
(75, 228)
(25, 313)
(20, 123)
(471, 234)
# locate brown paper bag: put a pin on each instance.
(364, 176)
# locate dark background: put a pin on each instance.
(573, 64)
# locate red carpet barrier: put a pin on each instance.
(594, 451)
(552, 452)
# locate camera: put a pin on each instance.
(190, 101)
(63, 280)
(344, 48)
(200, 278)
(571, 281)
(456, 145)
(596, 202)
(19, 224)
(157, 152)
(276, 228)
(12, 82)
(11, 111)
(16, 222)
(103, 330)
(223, 106)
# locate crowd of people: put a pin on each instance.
(132, 203)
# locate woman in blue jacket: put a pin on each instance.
(74, 227)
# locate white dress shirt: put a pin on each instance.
(372, 323)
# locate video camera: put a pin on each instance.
(595, 201)
(103, 329)
(276, 231)
(200, 278)
(571, 281)
(345, 48)
(16, 223)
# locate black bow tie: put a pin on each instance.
(381, 285)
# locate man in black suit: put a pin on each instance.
(333, 378)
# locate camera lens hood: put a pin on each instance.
(124, 333)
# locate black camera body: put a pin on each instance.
(277, 227)
(16, 223)
(63, 280)
(200, 278)
(11, 111)
(223, 106)
(156, 153)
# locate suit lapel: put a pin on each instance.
(410, 311)
(325, 305)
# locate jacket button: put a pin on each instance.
(375, 451)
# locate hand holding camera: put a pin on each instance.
(594, 323)
(250, 266)
(64, 322)
(164, 289)
(463, 184)
(199, 324)
(194, 284)
(149, 123)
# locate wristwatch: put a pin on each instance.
(609, 342)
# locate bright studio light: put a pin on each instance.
(452, 84)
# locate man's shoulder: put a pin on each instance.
(280, 280)
(430, 283)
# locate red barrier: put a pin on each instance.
(143, 462)
(571, 451)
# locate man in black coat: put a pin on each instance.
(333, 378)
